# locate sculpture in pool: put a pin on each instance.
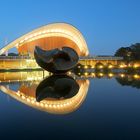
(57, 87)
(59, 60)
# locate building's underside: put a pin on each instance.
(48, 43)
(27, 96)
(49, 37)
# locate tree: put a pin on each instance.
(12, 54)
(136, 50)
(129, 53)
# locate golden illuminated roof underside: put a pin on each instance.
(48, 37)
(53, 106)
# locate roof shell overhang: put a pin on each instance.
(63, 106)
(55, 29)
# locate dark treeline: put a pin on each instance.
(129, 53)
(10, 54)
(129, 82)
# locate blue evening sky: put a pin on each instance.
(105, 24)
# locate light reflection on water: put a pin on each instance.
(26, 93)
(53, 93)
(106, 106)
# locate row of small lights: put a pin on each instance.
(44, 103)
(32, 36)
(136, 76)
(87, 66)
(41, 104)
(27, 79)
(110, 66)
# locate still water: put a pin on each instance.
(95, 106)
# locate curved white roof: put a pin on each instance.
(55, 29)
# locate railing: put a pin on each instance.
(101, 58)
(15, 57)
(81, 58)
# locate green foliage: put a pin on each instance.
(12, 54)
(129, 82)
(129, 53)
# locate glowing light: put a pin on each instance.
(37, 103)
(101, 74)
(28, 100)
(101, 66)
(85, 66)
(92, 67)
(85, 73)
(56, 29)
(52, 106)
(16, 45)
(30, 78)
(136, 66)
(122, 75)
(23, 97)
(121, 66)
(21, 41)
(69, 73)
(110, 74)
(110, 66)
(79, 66)
(18, 93)
(32, 101)
(93, 74)
(41, 104)
(136, 76)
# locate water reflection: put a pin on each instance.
(55, 94)
(57, 87)
(58, 94)
(129, 80)
(124, 78)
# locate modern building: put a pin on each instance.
(49, 37)
(26, 92)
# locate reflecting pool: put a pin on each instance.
(88, 105)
